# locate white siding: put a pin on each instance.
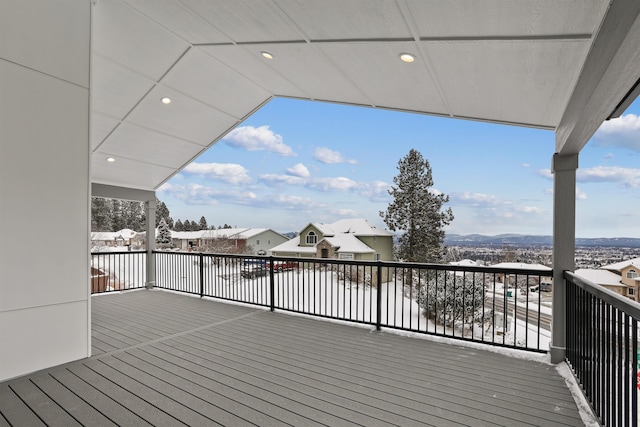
(44, 175)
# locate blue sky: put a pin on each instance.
(295, 162)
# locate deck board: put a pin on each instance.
(166, 359)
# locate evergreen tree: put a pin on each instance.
(450, 298)
(162, 211)
(417, 211)
(133, 215)
(178, 226)
(163, 239)
(203, 224)
(100, 214)
(118, 221)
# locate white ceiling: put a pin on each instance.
(505, 61)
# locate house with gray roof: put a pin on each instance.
(258, 240)
(354, 239)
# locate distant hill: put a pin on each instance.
(525, 240)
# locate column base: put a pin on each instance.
(558, 354)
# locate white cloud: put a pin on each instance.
(580, 195)
(272, 178)
(609, 156)
(627, 177)
(622, 132)
(326, 155)
(197, 194)
(258, 139)
(489, 204)
(526, 165)
(347, 212)
(228, 172)
(299, 170)
(546, 173)
(477, 199)
(529, 209)
(332, 184)
(376, 191)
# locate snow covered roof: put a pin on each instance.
(293, 245)
(325, 229)
(599, 276)
(348, 243)
(355, 226)
(619, 266)
(464, 263)
(220, 233)
(521, 266)
(124, 234)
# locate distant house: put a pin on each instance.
(523, 281)
(353, 239)
(607, 279)
(629, 274)
(124, 237)
(234, 240)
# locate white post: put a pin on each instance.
(564, 245)
(150, 212)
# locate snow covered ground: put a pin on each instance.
(323, 292)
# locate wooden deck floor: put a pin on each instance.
(167, 359)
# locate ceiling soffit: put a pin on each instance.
(509, 61)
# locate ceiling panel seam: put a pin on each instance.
(106, 137)
(239, 72)
(120, 121)
(524, 38)
(122, 157)
(305, 36)
(215, 141)
(168, 29)
(407, 15)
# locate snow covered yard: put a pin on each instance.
(329, 291)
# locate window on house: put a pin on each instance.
(312, 239)
(632, 274)
(631, 291)
(258, 242)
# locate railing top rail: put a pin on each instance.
(632, 308)
(390, 264)
(118, 252)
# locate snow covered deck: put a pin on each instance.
(167, 359)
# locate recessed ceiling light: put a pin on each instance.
(407, 57)
(110, 159)
(166, 100)
(266, 54)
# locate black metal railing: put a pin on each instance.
(602, 349)
(117, 271)
(491, 305)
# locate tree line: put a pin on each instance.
(114, 214)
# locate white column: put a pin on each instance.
(564, 245)
(150, 212)
(44, 184)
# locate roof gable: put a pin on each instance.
(619, 266)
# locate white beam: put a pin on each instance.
(610, 71)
